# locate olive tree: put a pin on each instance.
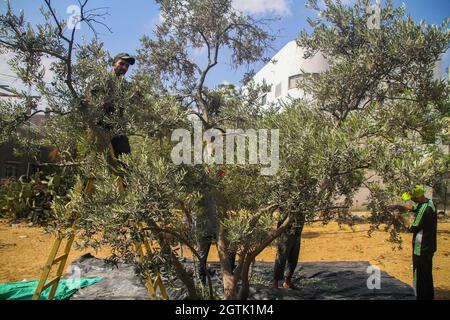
(218, 29)
(72, 129)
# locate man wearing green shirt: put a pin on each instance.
(424, 229)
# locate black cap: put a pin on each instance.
(124, 56)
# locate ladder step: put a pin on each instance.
(157, 282)
(60, 258)
(51, 282)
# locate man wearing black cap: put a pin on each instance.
(120, 143)
(121, 63)
(108, 91)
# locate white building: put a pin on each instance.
(285, 69)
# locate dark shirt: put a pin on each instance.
(119, 143)
(424, 228)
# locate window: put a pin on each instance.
(278, 90)
(294, 81)
(264, 99)
(11, 170)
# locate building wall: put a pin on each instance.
(11, 165)
(288, 62)
(16, 166)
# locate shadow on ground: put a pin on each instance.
(442, 293)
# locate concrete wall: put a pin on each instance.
(288, 62)
(8, 160)
(16, 166)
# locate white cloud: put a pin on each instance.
(157, 19)
(200, 51)
(9, 78)
(446, 57)
(350, 2)
(344, 2)
(445, 63)
(281, 7)
(46, 63)
(150, 24)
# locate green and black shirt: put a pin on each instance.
(424, 228)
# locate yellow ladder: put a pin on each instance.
(51, 261)
(151, 284)
(155, 283)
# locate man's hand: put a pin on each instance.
(404, 220)
(398, 216)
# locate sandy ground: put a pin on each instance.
(24, 251)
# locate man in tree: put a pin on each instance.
(423, 227)
(111, 91)
(121, 63)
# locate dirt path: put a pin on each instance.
(24, 251)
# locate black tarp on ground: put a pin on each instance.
(314, 280)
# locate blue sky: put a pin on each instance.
(129, 20)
